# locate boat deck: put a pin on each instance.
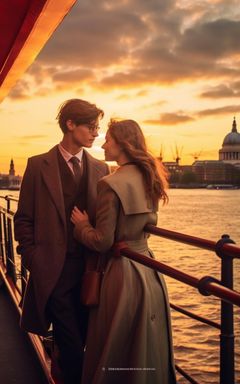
(18, 362)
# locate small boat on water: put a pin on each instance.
(222, 186)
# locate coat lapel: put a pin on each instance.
(94, 173)
(52, 179)
(127, 183)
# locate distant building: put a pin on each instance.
(10, 181)
(12, 169)
(226, 170)
(215, 172)
(230, 151)
(172, 166)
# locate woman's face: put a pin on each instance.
(112, 150)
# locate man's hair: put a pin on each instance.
(79, 111)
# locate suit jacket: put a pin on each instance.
(40, 228)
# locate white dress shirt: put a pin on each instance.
(67, 156)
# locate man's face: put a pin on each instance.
(83, 135)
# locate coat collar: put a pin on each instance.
(95, 171)
(127, 183)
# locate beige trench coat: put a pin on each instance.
(129, 336)
(40, 229)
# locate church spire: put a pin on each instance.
(12, 170)
(234, 125)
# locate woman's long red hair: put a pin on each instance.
(128, 135)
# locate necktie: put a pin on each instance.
(76, 168)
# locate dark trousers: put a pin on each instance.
(69, 319)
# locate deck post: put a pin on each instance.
(1, 238)
(10, 262)
(227, 319)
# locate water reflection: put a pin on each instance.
(206, 214)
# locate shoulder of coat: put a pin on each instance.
(123, 174)
(45, 155)
(127, 183)
(98, 164)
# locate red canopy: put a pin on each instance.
(26, 25)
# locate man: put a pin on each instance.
(53, 183)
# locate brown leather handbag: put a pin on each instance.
(91, 285)
(92, 279)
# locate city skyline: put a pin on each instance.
(176, 157)
(171, 65)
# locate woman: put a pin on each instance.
(129, 336)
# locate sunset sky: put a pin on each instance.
(172, 65)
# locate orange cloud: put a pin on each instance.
(170, 119)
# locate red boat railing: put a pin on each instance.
(207, 285)
(227, 251)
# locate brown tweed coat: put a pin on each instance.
(40, 229)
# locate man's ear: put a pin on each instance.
(70, 125)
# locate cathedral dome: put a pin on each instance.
(232, 138)
(230, 151)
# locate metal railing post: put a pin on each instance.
(10, 262)
(227, 317)
(5, 238)
(1, 238)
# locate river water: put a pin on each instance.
(207, 214)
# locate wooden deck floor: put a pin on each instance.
(18, 362)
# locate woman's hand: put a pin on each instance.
(77, 216)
